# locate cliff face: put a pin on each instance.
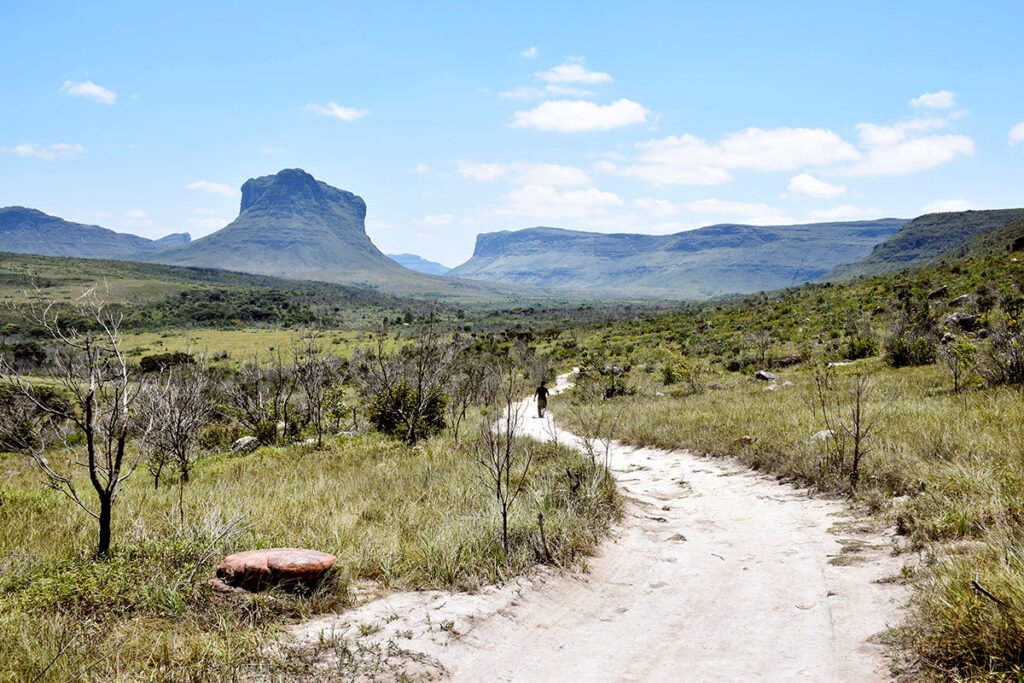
(719, 259)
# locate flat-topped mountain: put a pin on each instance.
(293, 225)
(28, 231)
(925, 238)
(720, 259)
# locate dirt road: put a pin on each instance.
(717, 574)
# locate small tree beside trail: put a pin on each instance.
(90, 369)
(502, 454)
(853, 414)
(315, 372)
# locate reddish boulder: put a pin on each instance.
(256, 570)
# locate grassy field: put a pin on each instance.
(400, 517)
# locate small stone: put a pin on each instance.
(938, 293)
(765, 376)
(244, 444)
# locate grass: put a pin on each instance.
(405, 518)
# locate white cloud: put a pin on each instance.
(657, 207)
(911, 156)
(436, 219)
(529, 53)
(573, 71)
(1016, 134)
(213, 188)
(525, 92)
(335, 110)
(524, 173)
(89, 90)
(946, 206)
(806, 186)
(481, 172)
(58, 150)
(943, 99)
(754, 213)
(689, 160)
(844, 212)
(550, 204)
(575, 116)
(421, 168)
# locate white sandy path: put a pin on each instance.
(717, 574)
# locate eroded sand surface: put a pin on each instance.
(716, 574)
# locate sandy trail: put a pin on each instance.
(717, 574)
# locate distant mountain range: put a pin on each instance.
(291, 225)
(720, 259)
(419, 264)
(28, 231)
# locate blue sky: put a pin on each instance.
(452, 119)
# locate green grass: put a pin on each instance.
(405, 518)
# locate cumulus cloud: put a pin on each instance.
(337, 111)
(844, 212)
(689, 160)
(806, 186)
(550, 203)
(576, 116)
(524, 173)
(1016, 134)
(525, 92)
(910, 155)
(574, 71)
(213, 188)
(943, 99)
(481, 172)
(529, 53)
(90, 91)
(58, 150)
(436, 219)
(946, 206)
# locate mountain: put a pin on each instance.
(28, 231)
(925, 238)
(720, 259)
(292, 225)
(419, 264)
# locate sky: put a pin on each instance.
(456, 118)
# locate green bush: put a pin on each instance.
(860, 347)
(908, 350)
(391, 414)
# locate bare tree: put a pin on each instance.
(261, 397)
(504, 457)
(409, 385)
(315, 372)
(90, 368)
(598, 418)
(465, 389)
(851, 415)
(179, 405)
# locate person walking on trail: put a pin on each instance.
(542, 399)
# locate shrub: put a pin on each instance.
(907, 350)
(860, 347)
(161, 361)
(387, 410)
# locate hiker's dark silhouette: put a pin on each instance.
(542, 399)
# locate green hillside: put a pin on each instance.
(925, 238)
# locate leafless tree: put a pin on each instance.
(261, 397)
(180, 405)
(315, 372)
(412, 381)
(504, 457)
(465, 389)
(598, 418)
(90, 368)
(852, 413)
